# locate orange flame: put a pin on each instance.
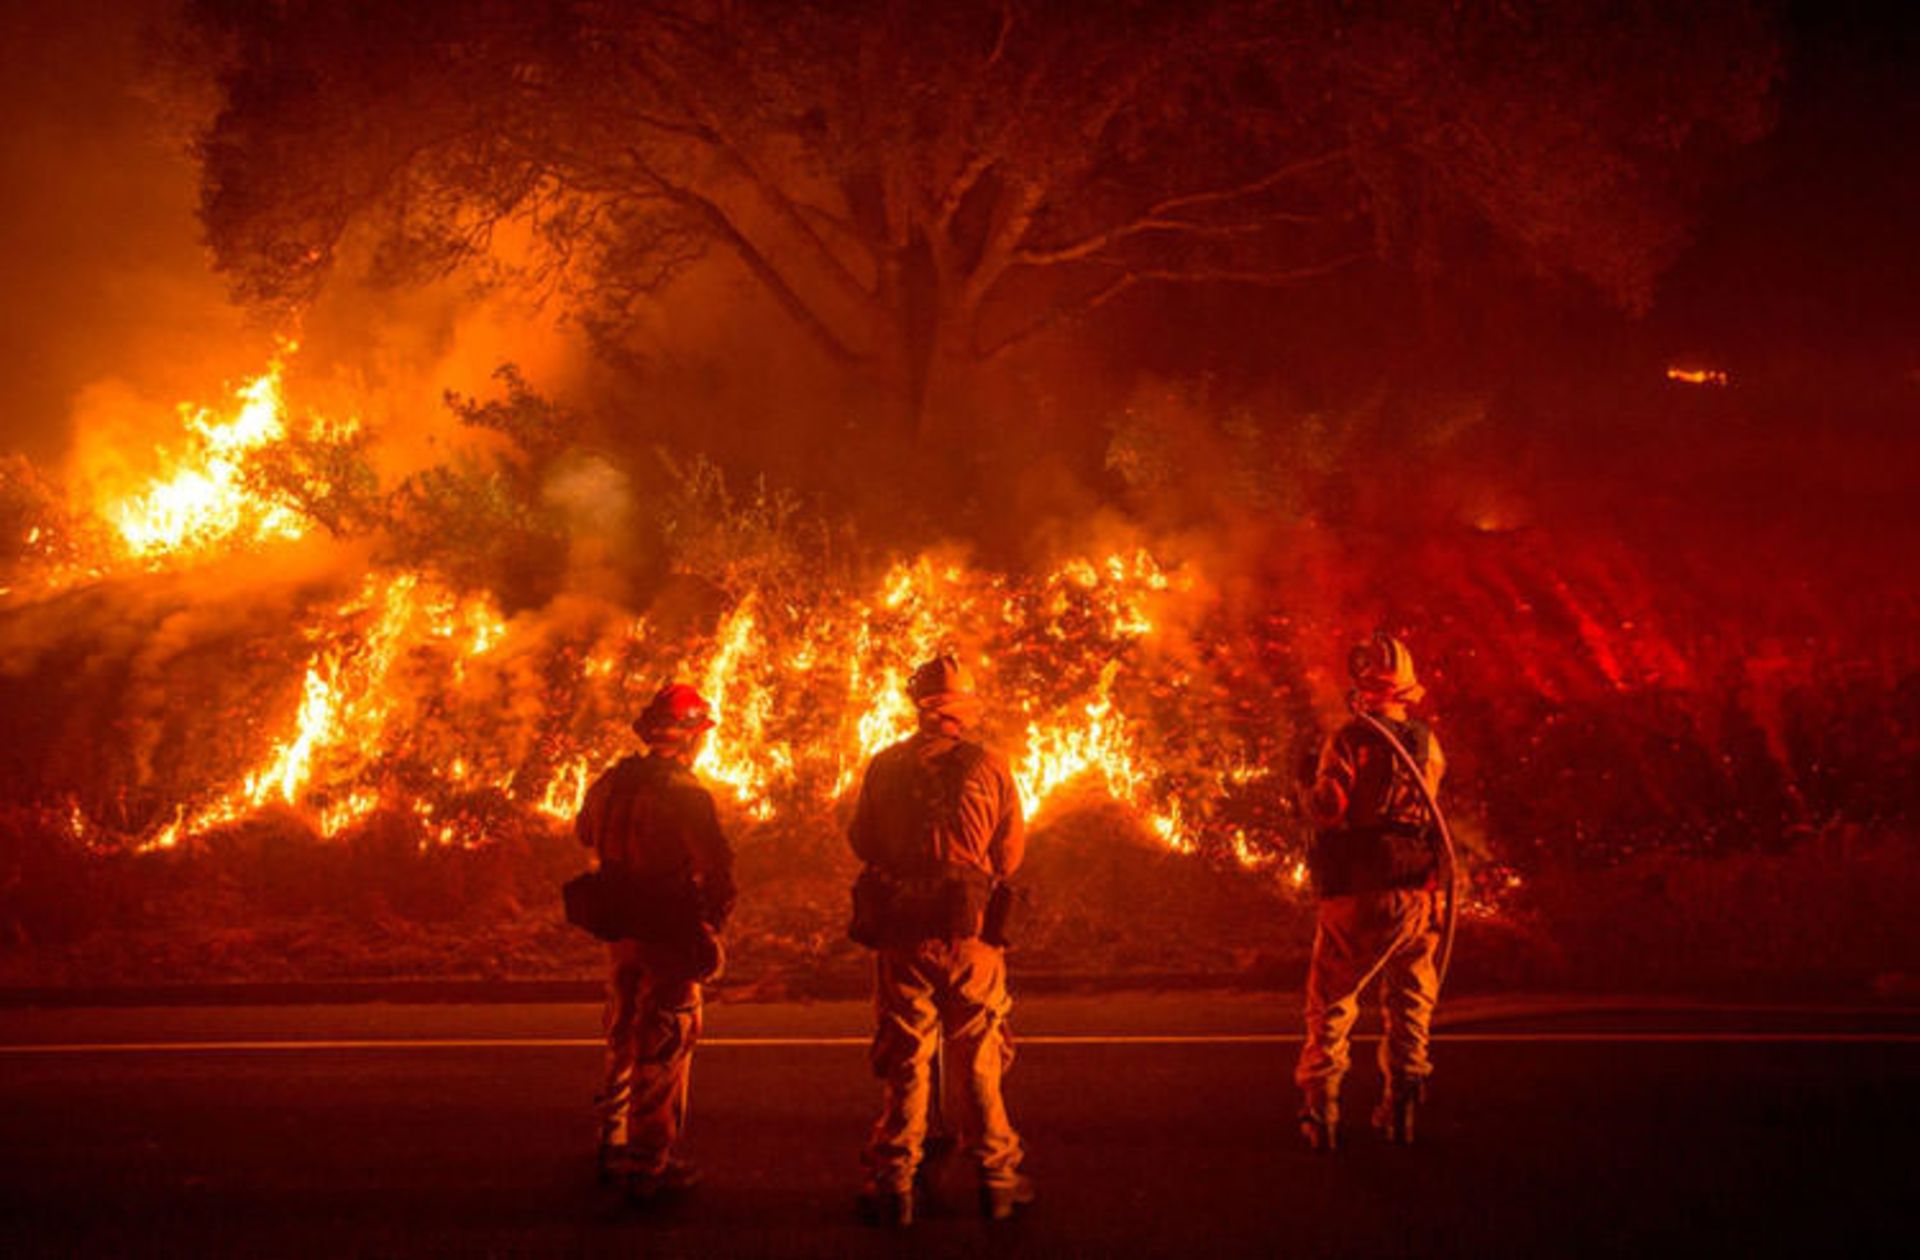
(403, 674)
(204, 502)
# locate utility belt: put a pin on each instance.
(616, 904)
(956, 903)
(1380, 857)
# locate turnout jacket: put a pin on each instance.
(650, 816)
(935, 800)
(1373, 823)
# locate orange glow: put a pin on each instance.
(349, 697)
(740, 753)
(413, 696)
(202, 501)
(1697, 375)
(567, 791)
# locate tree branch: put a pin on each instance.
(1129, 278)
(1058, 315)
(1000, 39)
(1261, 276)
(1086, 247)
(783, 206)
(963, 183)
(763, 270)
(1271, 179)
(1012, 217)
(1156, 217)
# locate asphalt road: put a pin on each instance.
(1156, 1126)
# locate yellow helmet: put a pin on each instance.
(941, 683)
(1382, 670)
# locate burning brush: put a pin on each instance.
(404, 689)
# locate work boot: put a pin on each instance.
(1003, 1203)
(611, 1163)
(886, 1209)
(644, 1189)
(647, 1186)
(1394, 1116)
(935, 1158)
(1320, 1126)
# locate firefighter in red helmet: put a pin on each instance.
(650, 819)
(1375, 874)
(939, 828)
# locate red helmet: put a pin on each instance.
(677, 713)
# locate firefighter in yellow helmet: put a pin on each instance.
(650, 819)
(1374, 874)
(939, 829)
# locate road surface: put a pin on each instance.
(1157, 1125)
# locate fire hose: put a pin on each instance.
(1448, 856)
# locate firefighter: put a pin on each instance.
(1374, 874)
(649, 817)
(938, 827)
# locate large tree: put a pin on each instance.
(922, 187)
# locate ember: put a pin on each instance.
(1697, 375)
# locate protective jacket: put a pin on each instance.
(935, 801)
(650, 816)
(1373, 823)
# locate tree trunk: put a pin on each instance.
(920, 336)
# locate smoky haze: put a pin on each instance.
(106, 282)
(1686, 608)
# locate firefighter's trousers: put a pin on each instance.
(652, 1022)
(1392, 935)
(953, 994)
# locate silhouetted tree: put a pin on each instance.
(923, 187)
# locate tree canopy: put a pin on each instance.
(925, 187)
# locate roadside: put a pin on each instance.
(1120, 1015)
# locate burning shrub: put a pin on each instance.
(296, 723)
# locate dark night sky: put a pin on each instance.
(1817, 247)
(1808, 259)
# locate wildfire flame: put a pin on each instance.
(204, 502)
(399, 700)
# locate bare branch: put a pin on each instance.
(837, 222)
(736, 155)
(1276, 277)
(1271, 179)
(1012, 217)
(1086, 247)
(723, 227)
(963, 183)
(1000, 39)
(659, 122)
(1057, 316)
(1158, 217)
(1131, 277)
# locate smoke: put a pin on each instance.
(100, 261)
(1552, 536)
(596, 501)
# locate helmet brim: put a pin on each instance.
(664, 733)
